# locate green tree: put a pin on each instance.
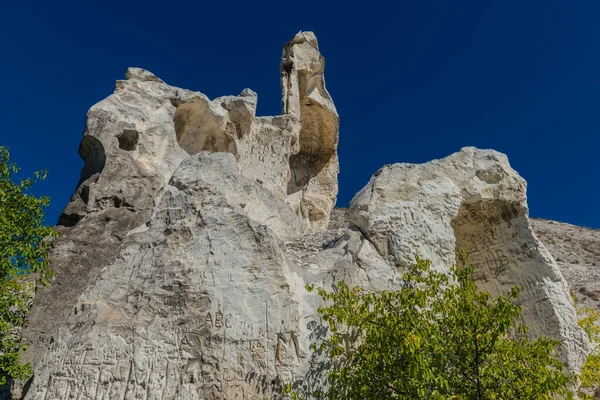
(437, 337)
(23, 254)
(589, 320)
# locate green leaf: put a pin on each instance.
(24, 249)
(437, 337)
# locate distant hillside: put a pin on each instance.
(577, 251)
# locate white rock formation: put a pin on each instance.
(203, 301)
(133, 142)
(313, 186)
(196, 226)
(471, 200)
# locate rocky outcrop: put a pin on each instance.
(313, 186)
(136, 138)
(196, 226)
(130, 152)
(471, 200)
(203, 301)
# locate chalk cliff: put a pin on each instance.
(195, 226)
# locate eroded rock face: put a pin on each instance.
(471, 200)
(196, 225)
(130, 152)
(204, 302)
(133, 142)
(313, 186)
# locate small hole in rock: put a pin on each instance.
(69, 220)
(128, 139)
(287, 66)
(94, 157)
(85, 194)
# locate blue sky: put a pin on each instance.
(412, 81)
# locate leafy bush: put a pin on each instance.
(589, 319)
(23, 252)
(437, 337)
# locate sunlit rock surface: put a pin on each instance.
(471, 200)
(196, 225)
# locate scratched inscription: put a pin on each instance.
(218, 320)
(484, 229)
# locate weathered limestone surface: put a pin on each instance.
(196, 226)
(203, 303)
(474, 200)
(313, 186)
(130, 152)
(133, 142)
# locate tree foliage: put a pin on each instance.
(23, 252)
(437, 337)
(589, 320)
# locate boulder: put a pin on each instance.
(471, 200)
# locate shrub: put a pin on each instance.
(23, 252)
(437, 337)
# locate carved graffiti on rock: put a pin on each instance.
(218, 320)
(287, 348)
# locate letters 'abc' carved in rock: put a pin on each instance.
(196, 225)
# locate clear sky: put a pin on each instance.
(412, 80)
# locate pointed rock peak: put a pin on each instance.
(248, 93)
(313, 184)
(304, 37)
(141, 74)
